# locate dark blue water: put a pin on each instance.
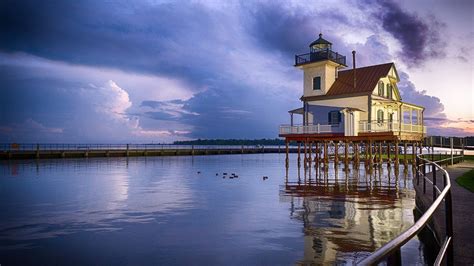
(181, 210)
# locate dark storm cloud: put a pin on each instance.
(420, 38)
(290, 31)
(137, 37)
(203, 47)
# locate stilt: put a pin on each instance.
(370, 155)
(405, 150)
(413, 153)
(380, 154)
(287, 161)
(309, 153)
(305, 158)
(316, 155)
(346, 153)
(299, 154)
(397, 161)
(326, 157)
(336, 153)
(356, 155)
(388, 153)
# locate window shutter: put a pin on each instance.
(339, 117)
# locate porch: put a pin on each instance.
(362, 128)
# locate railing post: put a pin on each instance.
(434, 180)
(449, 226)
(37, 151)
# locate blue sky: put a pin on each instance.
(143, 71)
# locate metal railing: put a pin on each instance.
(387, 126)
(311, 129)
(392, 248)
(319, 56)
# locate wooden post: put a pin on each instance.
(356, 155)
(310, 147)
(286, 143)
(346, 153)
(388, 152)
(413, 153)
(316, 157)
(370, 153)
(380, 154)
(326, 157)
(336, 153)
(299, 154)
(397, 149)
(287, 160)
(37, 151)
(305, 159)
(127, 153)
(405, 153)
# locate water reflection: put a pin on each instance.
(69, 197)
(348, 213)
(176, 210)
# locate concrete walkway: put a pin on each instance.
(463, 216)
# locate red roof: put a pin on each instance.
(366, 79)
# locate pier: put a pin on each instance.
(50, 151)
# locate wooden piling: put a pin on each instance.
(413, 153)
(346, 153)
(380, 160)
(397, 162)
(336, 153)
(405, 153)
(287, 160)
(299, 154)
(326, 156)
(310, 147)
(305, 159)
(388, 153)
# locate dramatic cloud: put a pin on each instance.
(420, 38)
(94, 71)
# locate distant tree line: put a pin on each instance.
(264, 142)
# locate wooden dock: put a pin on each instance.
(48, 151)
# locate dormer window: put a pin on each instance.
(389, 91)
(317, 83)
(381, 88)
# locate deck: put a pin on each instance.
(377, 131)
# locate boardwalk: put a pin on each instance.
(463, 218)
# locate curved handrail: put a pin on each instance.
(396, 243)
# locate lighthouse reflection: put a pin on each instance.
(346, 212)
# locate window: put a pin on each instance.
(334, 117)
(380, 88)
(380, 116)
(317, 83)
(389, 91)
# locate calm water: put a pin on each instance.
(180, 210)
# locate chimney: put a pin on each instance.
(354, 67)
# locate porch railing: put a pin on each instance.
(394, 126)
(311, 129)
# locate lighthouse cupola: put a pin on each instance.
(320, 45)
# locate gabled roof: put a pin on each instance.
(366, 80)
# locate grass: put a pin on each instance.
(467, 180)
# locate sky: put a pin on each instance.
(159, 71)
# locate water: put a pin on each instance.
(176, 210)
